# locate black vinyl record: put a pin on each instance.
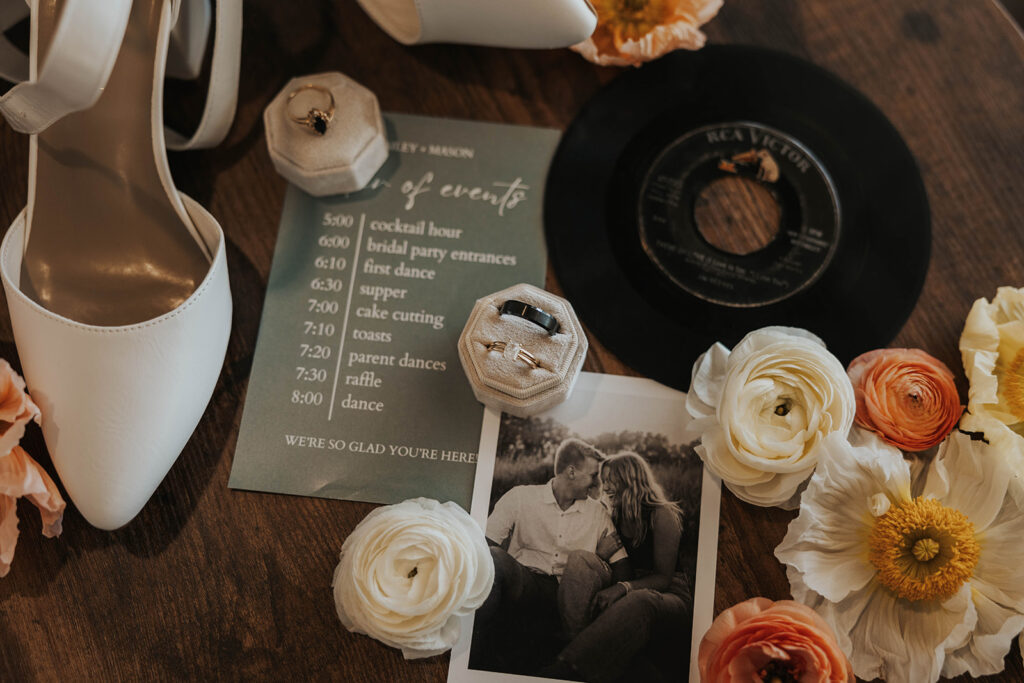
(850, 251)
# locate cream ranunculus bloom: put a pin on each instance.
(914, 586)
(763, 409)
(408, 572)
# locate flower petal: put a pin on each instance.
(715, 452)
(759, 339)
(998, 572)
(8, 532)
(898, 640)
(827, 542)
(20, 475)
(985, 652)
(969, 476)
(706, 382)
(781, 491)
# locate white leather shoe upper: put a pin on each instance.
(120, 403)
(222, 91)
(498, 23)
(78, 62)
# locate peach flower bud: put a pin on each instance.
(905, 396)
(763, 640)
(16, 408)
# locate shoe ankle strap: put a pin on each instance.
(79, 60)
(222, 92)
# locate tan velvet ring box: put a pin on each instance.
(352, 147)
(491, 347)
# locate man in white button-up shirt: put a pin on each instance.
(545, 527)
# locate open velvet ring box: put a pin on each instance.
(514, 363)
(341, 143)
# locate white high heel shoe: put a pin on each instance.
(116, 284)
(498, 23)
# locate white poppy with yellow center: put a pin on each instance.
(992, 347)
(914, 586)
(631, 32)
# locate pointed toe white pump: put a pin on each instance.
(498, 23)
(119, 403)
(117, 284)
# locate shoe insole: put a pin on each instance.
(109, 242)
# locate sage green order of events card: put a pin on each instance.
(356, 390)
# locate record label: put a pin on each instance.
(808, 227)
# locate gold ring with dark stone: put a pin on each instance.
(316, 119)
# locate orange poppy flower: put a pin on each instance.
(631, 32)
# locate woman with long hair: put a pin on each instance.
(656, 600)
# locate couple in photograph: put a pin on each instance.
(583, 591)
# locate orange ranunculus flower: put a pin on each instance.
(631, 32)
(905, 396)
(757, 638)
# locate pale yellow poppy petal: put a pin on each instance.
(969, 476)
(827, 542)
(898, 640)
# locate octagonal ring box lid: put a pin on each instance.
(351, 149)
(500, 377)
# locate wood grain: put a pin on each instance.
(210, 583)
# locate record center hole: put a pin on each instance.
(737, 215)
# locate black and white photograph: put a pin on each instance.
(602, 525)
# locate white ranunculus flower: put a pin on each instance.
(408, 572)
(914, 587)
(763, 409)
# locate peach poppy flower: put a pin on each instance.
(757, 639)
(16, 408)
(905, 396)
(631, 32)
(20, 475)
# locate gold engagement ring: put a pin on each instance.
(316, 119)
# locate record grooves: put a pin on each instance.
(853, 241)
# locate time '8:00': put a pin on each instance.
(308, 398)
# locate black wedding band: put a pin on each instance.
(535, 315)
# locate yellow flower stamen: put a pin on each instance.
(923, 550)
(633, 19)
(1012, 385)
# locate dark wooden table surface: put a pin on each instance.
(209, 583)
